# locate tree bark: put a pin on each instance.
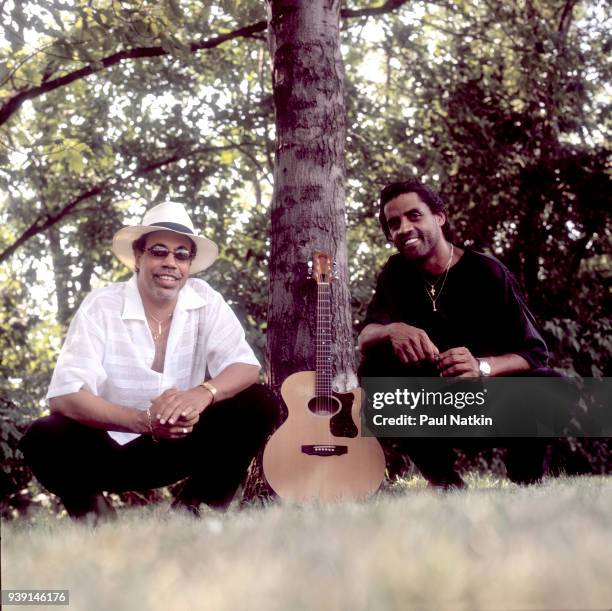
(308, 208)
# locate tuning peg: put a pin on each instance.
(310, 269)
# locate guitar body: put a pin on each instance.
(318, 453)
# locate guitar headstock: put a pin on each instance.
(322, 268)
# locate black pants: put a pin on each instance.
(524, 457)
(76, 462)
(435, 457)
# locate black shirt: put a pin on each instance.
(479, 308)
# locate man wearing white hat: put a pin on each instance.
(130, 404)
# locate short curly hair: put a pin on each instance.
(392, 190)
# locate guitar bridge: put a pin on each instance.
(325, 450)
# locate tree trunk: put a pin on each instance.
(308, 210)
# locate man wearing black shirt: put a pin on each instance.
(443, 310)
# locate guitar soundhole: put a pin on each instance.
(324, 405)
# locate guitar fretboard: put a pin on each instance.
(323, 381)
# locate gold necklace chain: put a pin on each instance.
(160, 323)
(432, 285)
(433, 290)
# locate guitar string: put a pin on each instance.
(320, 364)
(324, 353)
(324, 350)
(325, 381)
(319, 356)
(326, 401)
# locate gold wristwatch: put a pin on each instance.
(211, 389)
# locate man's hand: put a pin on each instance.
(458, 363)
(411, 344)
(175, 412)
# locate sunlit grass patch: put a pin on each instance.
(493, 546)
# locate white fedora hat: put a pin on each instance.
(169, 216)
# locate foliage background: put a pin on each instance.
(109, 107)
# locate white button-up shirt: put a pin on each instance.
(109, 349)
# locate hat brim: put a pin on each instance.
(207, 250)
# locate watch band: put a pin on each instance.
(211, 389)
(484, 367)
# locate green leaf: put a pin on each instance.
(74, 160)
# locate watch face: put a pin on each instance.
(485, 367)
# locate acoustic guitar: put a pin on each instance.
(318, 453)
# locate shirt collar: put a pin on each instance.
(188, 299)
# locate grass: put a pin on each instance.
(494, 546)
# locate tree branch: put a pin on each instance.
(14, 102)
(387, 7)
(566, 16)
(46, 220)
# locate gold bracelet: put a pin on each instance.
(155, 439)
(211, 389)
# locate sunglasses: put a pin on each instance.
(161, 252)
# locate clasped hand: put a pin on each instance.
(175, 412)
(412, 345)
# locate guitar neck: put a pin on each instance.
(323, 380)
